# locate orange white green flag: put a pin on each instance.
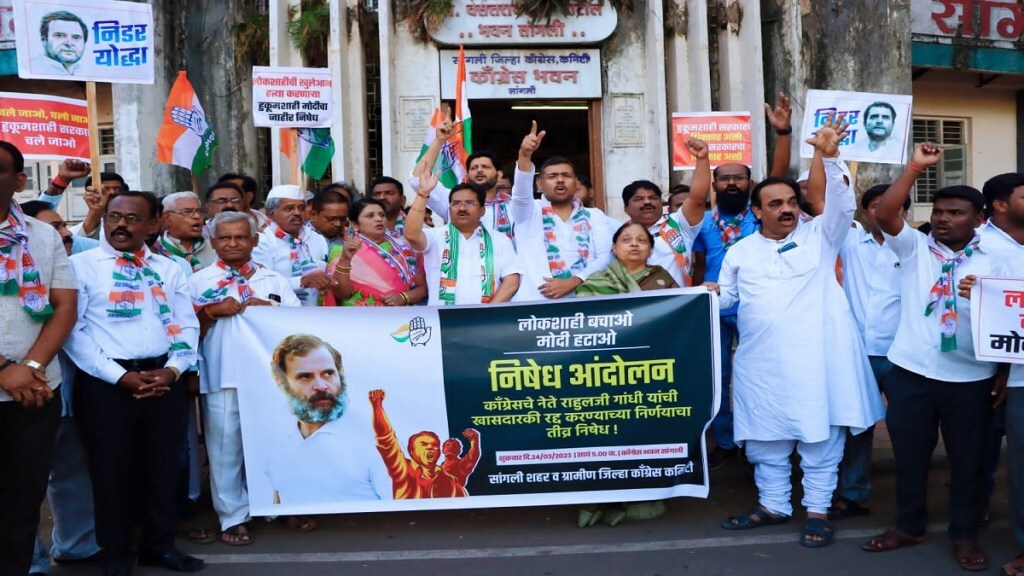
(451, 162)
(185, 138)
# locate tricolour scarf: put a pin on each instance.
(18, 272)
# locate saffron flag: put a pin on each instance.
(185, 138)
(451, 162)
(315, 148)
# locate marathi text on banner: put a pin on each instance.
(525, 415)
(879, 124)
(997, 317)
(727, 135)
(45, 127)
(518, 74)
(85, 41)
(291, 97)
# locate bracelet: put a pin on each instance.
(784, 132)
(33, 365)
(56, 181)
(7, 364)
(342, 269)
(405, 297)
(915, 167)
(427, 195)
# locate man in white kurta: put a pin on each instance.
(219, 293)
(560, 243)
(292, 249)
(801, 377)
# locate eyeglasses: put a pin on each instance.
(187, 212)
(223, 201)
(732, 178)
(466, 203)
(115, 218)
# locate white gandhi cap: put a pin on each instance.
(286, 192)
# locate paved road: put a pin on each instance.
(544, 541)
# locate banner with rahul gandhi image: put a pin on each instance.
(879, 124)
(85, 40)
(579, 401)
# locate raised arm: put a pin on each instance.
(693, 206)
(522, 185)
(417, 212)
(70, 169)
(779, 118)
(438, 198)
(839, 204)
(890, 206)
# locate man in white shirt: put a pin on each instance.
(38, 311)
(183, 218)
(801, 377)
(330, 455)
(219, 292)
(136, 334)
(675, 232)
(560, 243)
(291, 249)
(465, 263)
(871, 280)
(936, 381)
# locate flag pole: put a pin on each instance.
(296, 173)
(94, 137)
(195, 182)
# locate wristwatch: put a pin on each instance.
(6, 364)
(33, 365)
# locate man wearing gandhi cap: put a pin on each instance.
(291, 249)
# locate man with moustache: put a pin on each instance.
(250, 190)
(330, 216)
(183, 221)
(220, 292)
(465, 262)
(136, 334)
(37, 304)
(223, 196)
(794, 318)
(392, 194)
(288, 247)
(560, 242)
(328, 456)
(64, 36)
(674, 233)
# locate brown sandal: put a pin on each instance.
(890, 540)
(970, 556)
(1016, 567)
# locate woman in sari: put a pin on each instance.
(629, 272)
(373, 267)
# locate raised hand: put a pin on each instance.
(446, 128)
(826, 139)
(926, 154)
(376, 397)
(532, 141)
(352, 245)
(779, 117)
(428, 180)
(72, 169)
(697, 147)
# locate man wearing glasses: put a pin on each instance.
(183, 222)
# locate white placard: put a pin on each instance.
(494, 22)
(291, 97)
(85, 41)
(997, 318)
(6, 25)
(506, 74)
(879, 124)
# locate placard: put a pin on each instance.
(727, 135)
(997, 318)
(879, 124)
(291, 97)
(45, 127)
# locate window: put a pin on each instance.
(951, 134)
(107, 141)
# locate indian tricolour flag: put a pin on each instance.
(451, 162)
(185, 138)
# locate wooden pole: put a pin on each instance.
(297, 175)
(94, 137)
(195, 183)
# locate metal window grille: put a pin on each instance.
(951, 134)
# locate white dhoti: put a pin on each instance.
(227, 467)
(818, 460)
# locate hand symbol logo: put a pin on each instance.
(419, 332)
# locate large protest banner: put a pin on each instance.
(727, 135)
(997, 319)
(586, 400)
(291, 97)
(879, 124)
(45, 127)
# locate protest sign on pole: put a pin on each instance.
(502, 405)
(879, 124)
(45, 127)
(291, 97)
(997, 319)
(727, 135)
(84, 40)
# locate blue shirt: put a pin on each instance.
(709, 241)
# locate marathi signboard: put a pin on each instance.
(997, 318)
(475, 22)
(879, 124)
(291, 97)
(534, 74)
(481, 406)
(45, 127)
(999, 21)
(85, 41)
(727, 135)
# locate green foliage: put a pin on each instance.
(252, 41)
(310, 29)
(546, 9)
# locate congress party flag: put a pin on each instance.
(316, 148)
(185, 139)
(451, 162)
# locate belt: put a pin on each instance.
(141, 364)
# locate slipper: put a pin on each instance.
(970, 556)
(589, 515)
(1015, 568)
(753, 518)
(198, 534)
(843, 508)
(890, 540)
(820, 528)
(235, 537)
(301, 523)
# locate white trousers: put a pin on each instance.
(224, 447)
(818, 460)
